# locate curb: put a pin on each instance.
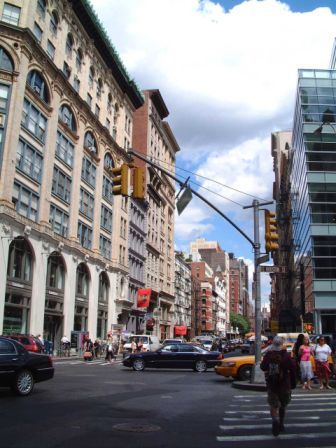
(245, 385)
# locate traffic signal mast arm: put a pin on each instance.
(167, 173)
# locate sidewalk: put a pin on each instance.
(261, 387)
(80, 357)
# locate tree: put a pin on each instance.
(237, 320)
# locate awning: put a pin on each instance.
(180, 330)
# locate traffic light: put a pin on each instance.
(139, 183)
(271, 235)
(120, 180)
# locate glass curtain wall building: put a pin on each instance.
(313, 196)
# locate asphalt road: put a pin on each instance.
(97, 405)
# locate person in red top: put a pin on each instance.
(280, 377)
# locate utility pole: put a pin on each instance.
(257, 374)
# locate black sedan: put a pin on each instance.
(20, 369)
(174, 356)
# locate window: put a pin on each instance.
(91, 76)
(108, 124)
(108, 161)
(37, 32)
(37, 83)
(99, 88)
(82, 280)
(67, 117)
(41, 8)
(89, 100)
(109, 103)
(106, 218)
(76, 84)
(64, 149)
(105, 247)
(90, 142)
(6, 62)
(29, 160)
(69, 45)
(20, 260)
(97, 111)
(84, 234)
(50, 50)
(26, 201)
(79, 59)
(86, 204)
(33, 120)
(11, 14)
(89, 172)
(7, 348)
(59, 220)
(107, 189)
(53, 23)
(4, 91)
(66, 70)
(61, 185)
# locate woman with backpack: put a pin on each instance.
(306, 368)
(322, 352)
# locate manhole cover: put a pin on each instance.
(131, 427)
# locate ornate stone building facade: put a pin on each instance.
(67, 107)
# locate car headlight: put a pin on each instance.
(228, 364)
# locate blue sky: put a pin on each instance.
(227, 71)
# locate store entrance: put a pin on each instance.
(53, 330)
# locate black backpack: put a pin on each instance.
(275, 372)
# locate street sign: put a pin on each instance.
(274, 269)
(184, 200)
(263, 259)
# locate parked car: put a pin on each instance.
(30, 342)
(206, 343)
(183, 356)
(149, 343)
(20, 369)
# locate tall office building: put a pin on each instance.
(67, 106)
(313, 193)
(153, 137)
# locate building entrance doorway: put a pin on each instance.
(53, 329)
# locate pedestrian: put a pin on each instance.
(96, 348)
(280, 377)
(322, 351)
(296, 355)
(333, 351)
(306, 369)
(134, 346)
(88, 350)
(65, 344)
(109, 350)
(140, 346)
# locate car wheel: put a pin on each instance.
(200, 366)
(138, 365)
(24, 383)
(244, 373)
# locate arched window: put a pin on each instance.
(82, 280)
(6, 62)
(103, 287)
(79, 59)
(20, 260)
(53, 23)
(108, 161)
(99, 87)
(65, 114)
(37, 83)
(90, 142)
(69, 44)
(91, 76)
(55, 272)
(109, 102)
(41, 8)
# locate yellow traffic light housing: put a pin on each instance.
(139, 183)
(120, 180)
(271, 234)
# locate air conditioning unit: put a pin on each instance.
(37, 89)
(92, 148)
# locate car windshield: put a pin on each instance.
(172, 341)
(206, 342)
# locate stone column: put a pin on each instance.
(71, 263)
(41, 254)
(93, 300)
(5, 237)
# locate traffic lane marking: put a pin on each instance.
(271, 437)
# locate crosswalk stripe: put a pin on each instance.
(289, 410)
(271, 437)
(297, 403)
(318, 394)
(288, 425)
(253, 418)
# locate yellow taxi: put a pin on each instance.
(240, 367)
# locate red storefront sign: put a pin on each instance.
(143, 298)
(180, 330)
